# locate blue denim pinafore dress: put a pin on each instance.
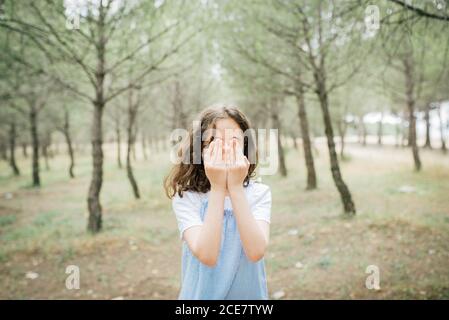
(234, 277)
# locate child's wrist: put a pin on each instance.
(235, 189)
(218, 189)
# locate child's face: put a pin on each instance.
(228, 130)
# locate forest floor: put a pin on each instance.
(401, 226)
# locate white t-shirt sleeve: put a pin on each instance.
(187, 211)
(261, 202)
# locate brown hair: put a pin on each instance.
(189, 175)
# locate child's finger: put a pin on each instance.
(210, 151)
(233, 153)
(218, 151)
(239, 152)
(228, 155)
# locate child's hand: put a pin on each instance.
(237, 164)
(215, 165)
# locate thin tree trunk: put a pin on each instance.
(134, 152)
(131, 140)
(277, 124)
(342, 132)
(45, 155)
(12, 148)
(364, 133)
(427, 144)
(306, 143)
(93, 200)
(348, 204)
(397, 130)
(295, 142)
(71, 155)
(135, 132)
(144, 147)
(359, 130)
(24, 150)
(3, 150)
(380, 129)
(49, 146)
(118, 135)
(35, 147)
(410, 86)
(129, 171)
(442, 135)
(404, 141)
(315, 149)
(68, 140)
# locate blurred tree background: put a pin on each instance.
(91, 90)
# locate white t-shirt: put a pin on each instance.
(187, 209)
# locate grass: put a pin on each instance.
(138, 253)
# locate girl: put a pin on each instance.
(223, 216)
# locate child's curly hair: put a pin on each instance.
(191, 176)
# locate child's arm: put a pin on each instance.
(204, 241)
(253, 233)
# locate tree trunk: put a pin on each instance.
(277, 125)
(295, 142)
(380, 129)
(71, 155)
(410, 87)
(35, 147)
(24, 150)
(134, 151)
(12, 149)
(144, 147)
(427, 144)
(404, 137)
(68, 141)
(442, 135)
(306, 143)
(129, 171)
(118, 135)
(45, 154)
(93, 200)
(3, 149)
(397, 133)
(133, 146)
(131, 141)
(342, 132)
(348, 204)
(364, 133)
